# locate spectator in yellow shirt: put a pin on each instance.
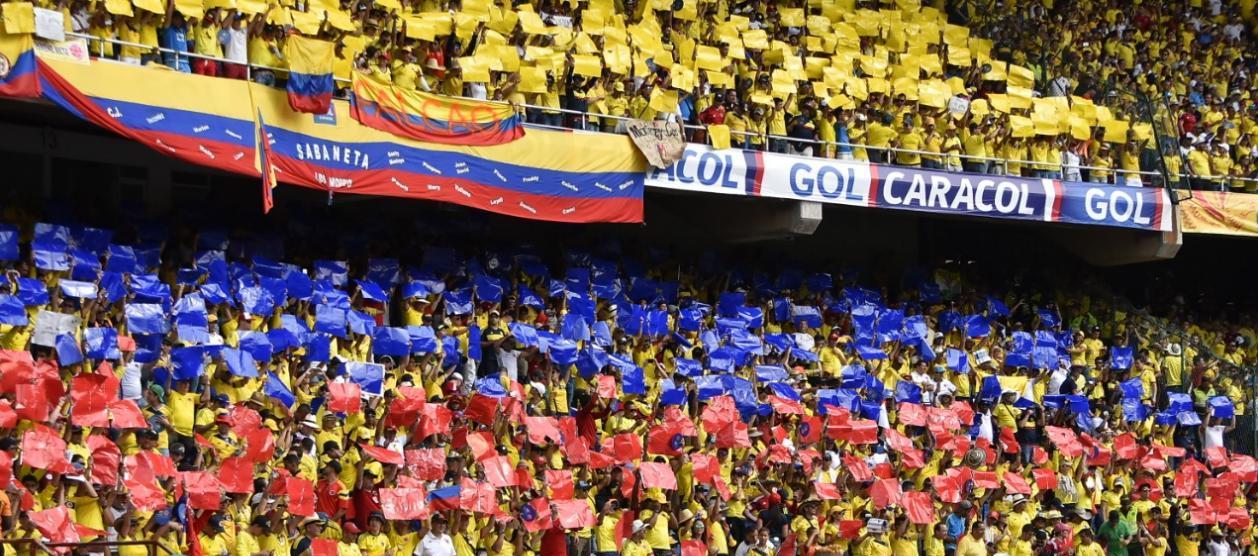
(911, 141)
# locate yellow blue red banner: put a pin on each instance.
(427, 117)
(310, 80)
(17, 65)
(1220, 212)
(213, 122)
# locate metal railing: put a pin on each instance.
(822, 149)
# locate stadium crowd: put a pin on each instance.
(883, 81)
(315, 394)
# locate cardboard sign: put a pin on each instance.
(49, 325)
(50, 24)
(661, 142)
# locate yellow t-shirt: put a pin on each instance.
(181, 411)
(374, 544)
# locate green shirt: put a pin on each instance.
(1113, 535)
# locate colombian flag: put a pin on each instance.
(18, 75)
(310, 79)
(264, 165)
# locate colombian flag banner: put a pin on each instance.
(17, 52)
(310, 81)
(427, 117)
(213, 122)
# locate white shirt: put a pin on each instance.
(235, 45)
(434, 545)
(1214, 436)
(1056, 380)
(131, 387)
(508, 361)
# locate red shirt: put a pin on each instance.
(328, 497)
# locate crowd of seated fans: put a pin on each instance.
(383, 388)
(900, 82)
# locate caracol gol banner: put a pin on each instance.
(858, 183)
(212, 122)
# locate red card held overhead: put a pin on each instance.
(236, 475)
(543, 430)
(536, 515)
(383, 455)
(106, 458)
(858, 468)
(1016, 484)
(1046, 479)
(885, 492)
(481, 409)
(810, 429)
(627, 447)
(560, 483)
(851, 528)
(428, 464)
(56, 525)
(434, 419)
(482, 445)
(345, 397)
(863, 431)
(919, 508)
(300, 494)
(42, 448)
(827, 491)
(706, 466)
(574, 514)
(204, 490)
(146, 496)
(657, 475)
(911, 414)
(986, 479)
(664, 441)
(403, 503)
(498, 471)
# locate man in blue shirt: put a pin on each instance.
(174, 36)
(956, 523)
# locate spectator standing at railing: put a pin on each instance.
(911, 141)
(932, 142)
(803, 128)
(205, 42)
(878, 136)
(975, 146)
(234, 38)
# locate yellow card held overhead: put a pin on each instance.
(589, 66)
(1020, 77)
(531, 23)
(719, 135)
(532, 79)
(663, 100)
(474, 71)
(116, 7)
(1021, 126)
(682, 79)
(719, 79)
(792, 17)
(756, 39)
(477, 8)
(1116, 131)
(709, 58)
(152, 6)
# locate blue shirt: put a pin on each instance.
(956, 528)
(175, 39)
